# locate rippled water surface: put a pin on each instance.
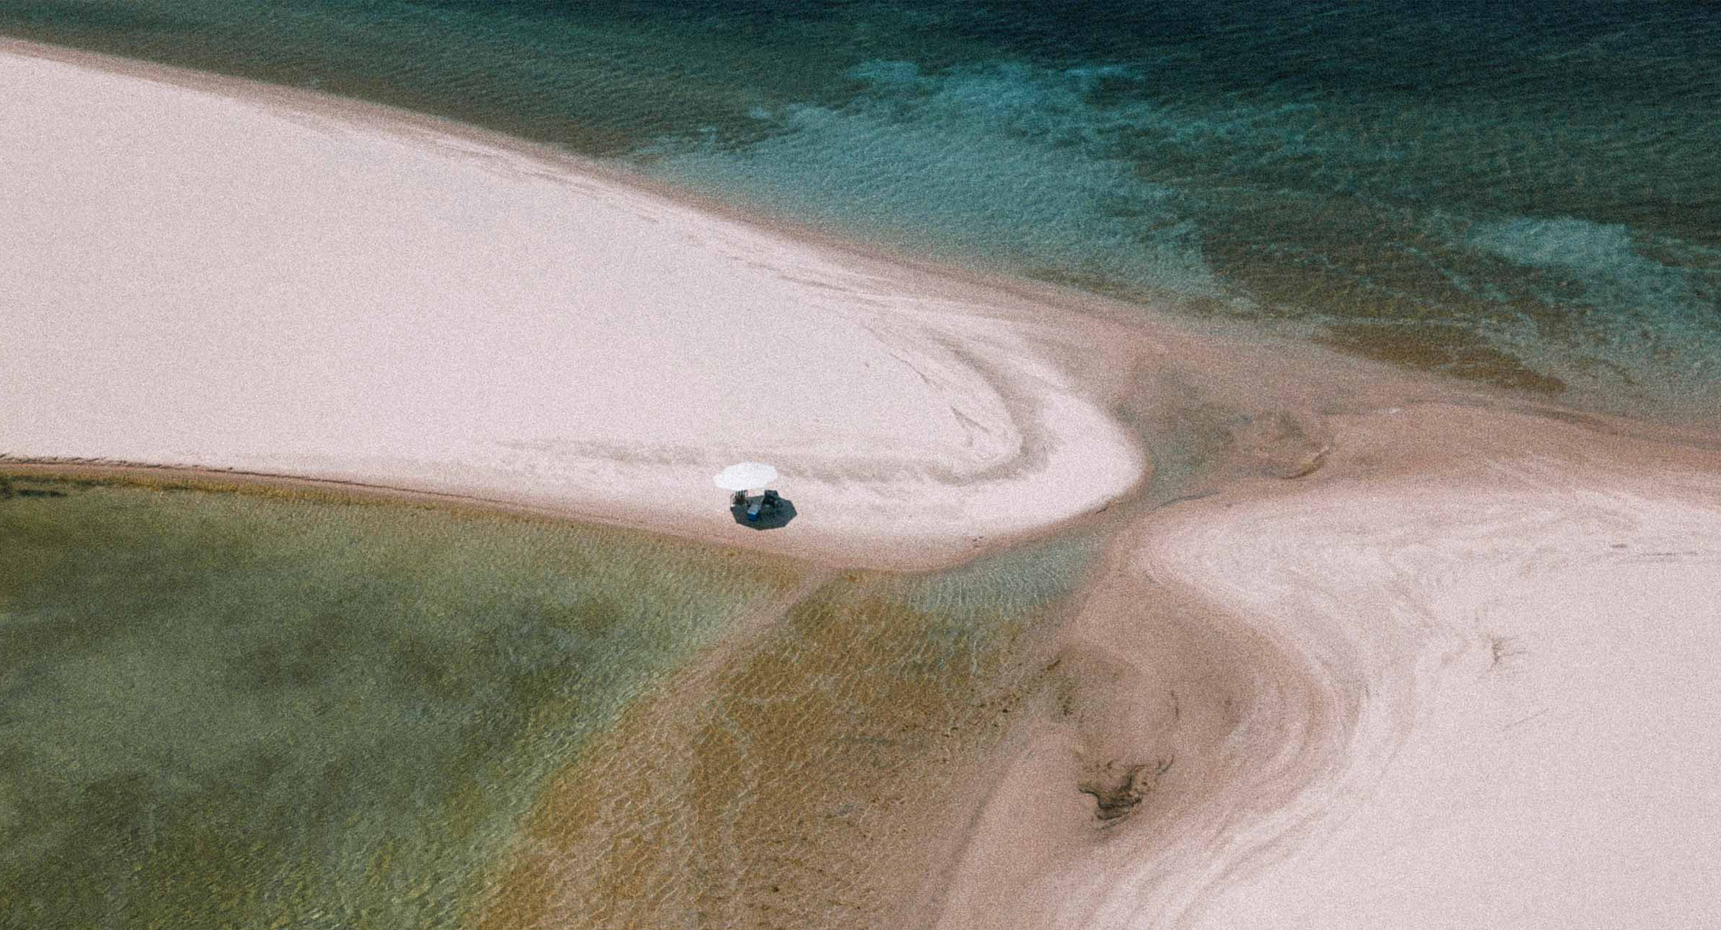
(245, 710)
(269, 709)
(1523, 193)
(811, 776)
(235, 709)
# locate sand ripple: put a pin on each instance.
(1472, 694)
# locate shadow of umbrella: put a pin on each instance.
(770, 518)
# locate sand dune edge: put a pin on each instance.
(258, 280)
(1430, 662)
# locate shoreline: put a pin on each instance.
(1260, 483)
(984, 422)
(1015, 297)
(1372, 696)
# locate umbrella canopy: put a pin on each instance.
(745, 476)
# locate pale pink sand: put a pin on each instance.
(254, 279)
(1458, 672)
(1465, 676)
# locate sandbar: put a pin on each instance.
(201, 272)
(1370, 650)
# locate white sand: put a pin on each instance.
(1468, 680)
(1527, 661)
(253, 279)
(1461, 674)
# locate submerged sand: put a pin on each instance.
(1372, 650)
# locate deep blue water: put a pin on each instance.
(1524, 193)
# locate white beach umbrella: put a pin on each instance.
(745, 476)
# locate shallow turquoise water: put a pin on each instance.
(1524, 193)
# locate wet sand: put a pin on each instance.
(1371, 649)
(1460, 676)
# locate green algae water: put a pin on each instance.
(812, 776)
(1525, 194)
(267, 709)
(237, 710)
(232, 710)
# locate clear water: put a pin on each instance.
(1524, 193)
(222, 712)
(805, 777)
(1532, 186)
(264, 710)
(237, 710)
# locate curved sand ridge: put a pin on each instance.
(1443, 666)
(267, 281)
(1466, 678)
